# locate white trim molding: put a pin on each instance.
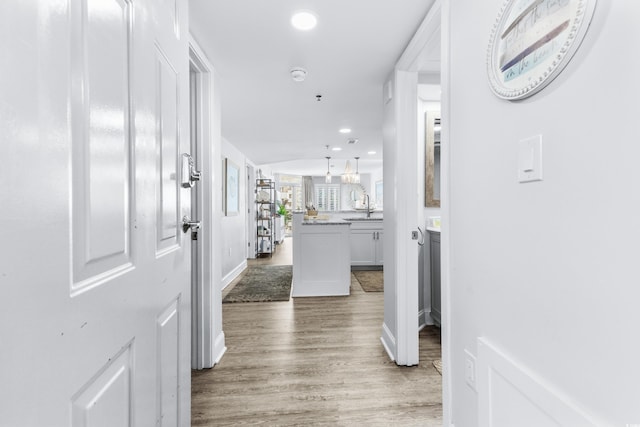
(510, 393)
(226, 280)
(389, 342)
(208, 339)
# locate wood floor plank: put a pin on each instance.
(315, 362)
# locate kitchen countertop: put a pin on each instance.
(325, 222)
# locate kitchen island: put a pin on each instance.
(321, 257)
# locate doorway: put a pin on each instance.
(208, 341)
(426, 54)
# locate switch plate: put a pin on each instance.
(530, 159)
(470, 369)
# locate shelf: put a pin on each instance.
(264, 242)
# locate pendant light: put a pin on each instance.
(356, 178)
(328, 177)
(347, 176)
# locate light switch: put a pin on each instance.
(530, 159)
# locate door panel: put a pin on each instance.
(167, 140)
(94, 329)
(107, 396)
(168, 363)
(101, 140)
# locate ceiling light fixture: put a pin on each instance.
(371, 153)
(336, 149)
(347, 176)
(298, 74)
(345, 130)
(304, 20)
(327, 179)
(356, 178)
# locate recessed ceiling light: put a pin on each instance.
(345, 130)
(298, 74)
(304, 20)
(371, 152)
(336, 149)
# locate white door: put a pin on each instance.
(94, 266)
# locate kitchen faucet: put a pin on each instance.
(368, 209)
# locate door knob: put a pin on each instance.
(421, 242)
(187, 224)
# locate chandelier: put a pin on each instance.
(349, 177)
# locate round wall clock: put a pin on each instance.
(532, 41)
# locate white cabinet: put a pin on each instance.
(278, 228)
(379, 247)
(367, 243)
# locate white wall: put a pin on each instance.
(548, 271)
(233, 244)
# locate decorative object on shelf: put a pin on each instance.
(263, 196)
(327, 178)
(231, 188)
(532, 41)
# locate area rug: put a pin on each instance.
(438, 365)
(371, 281)
(262, 283)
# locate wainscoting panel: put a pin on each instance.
(510, 395)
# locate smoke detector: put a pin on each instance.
(298, 74)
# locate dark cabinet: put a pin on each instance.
(434, 264)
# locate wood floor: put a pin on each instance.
(315, 361)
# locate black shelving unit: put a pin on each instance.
(265, 215)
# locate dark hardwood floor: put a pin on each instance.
(316, 361)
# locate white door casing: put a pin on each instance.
(208, 341)
(95, 328)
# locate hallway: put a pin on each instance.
(313, 361)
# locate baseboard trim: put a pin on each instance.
(389, 342)
(219, 349)
(226, 280)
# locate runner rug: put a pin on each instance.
(262, 283)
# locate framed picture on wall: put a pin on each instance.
(231, 188)
(532, 41)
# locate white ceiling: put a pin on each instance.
(274, 120)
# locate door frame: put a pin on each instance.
(208, 340)
(251, 206)
(435, 27)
